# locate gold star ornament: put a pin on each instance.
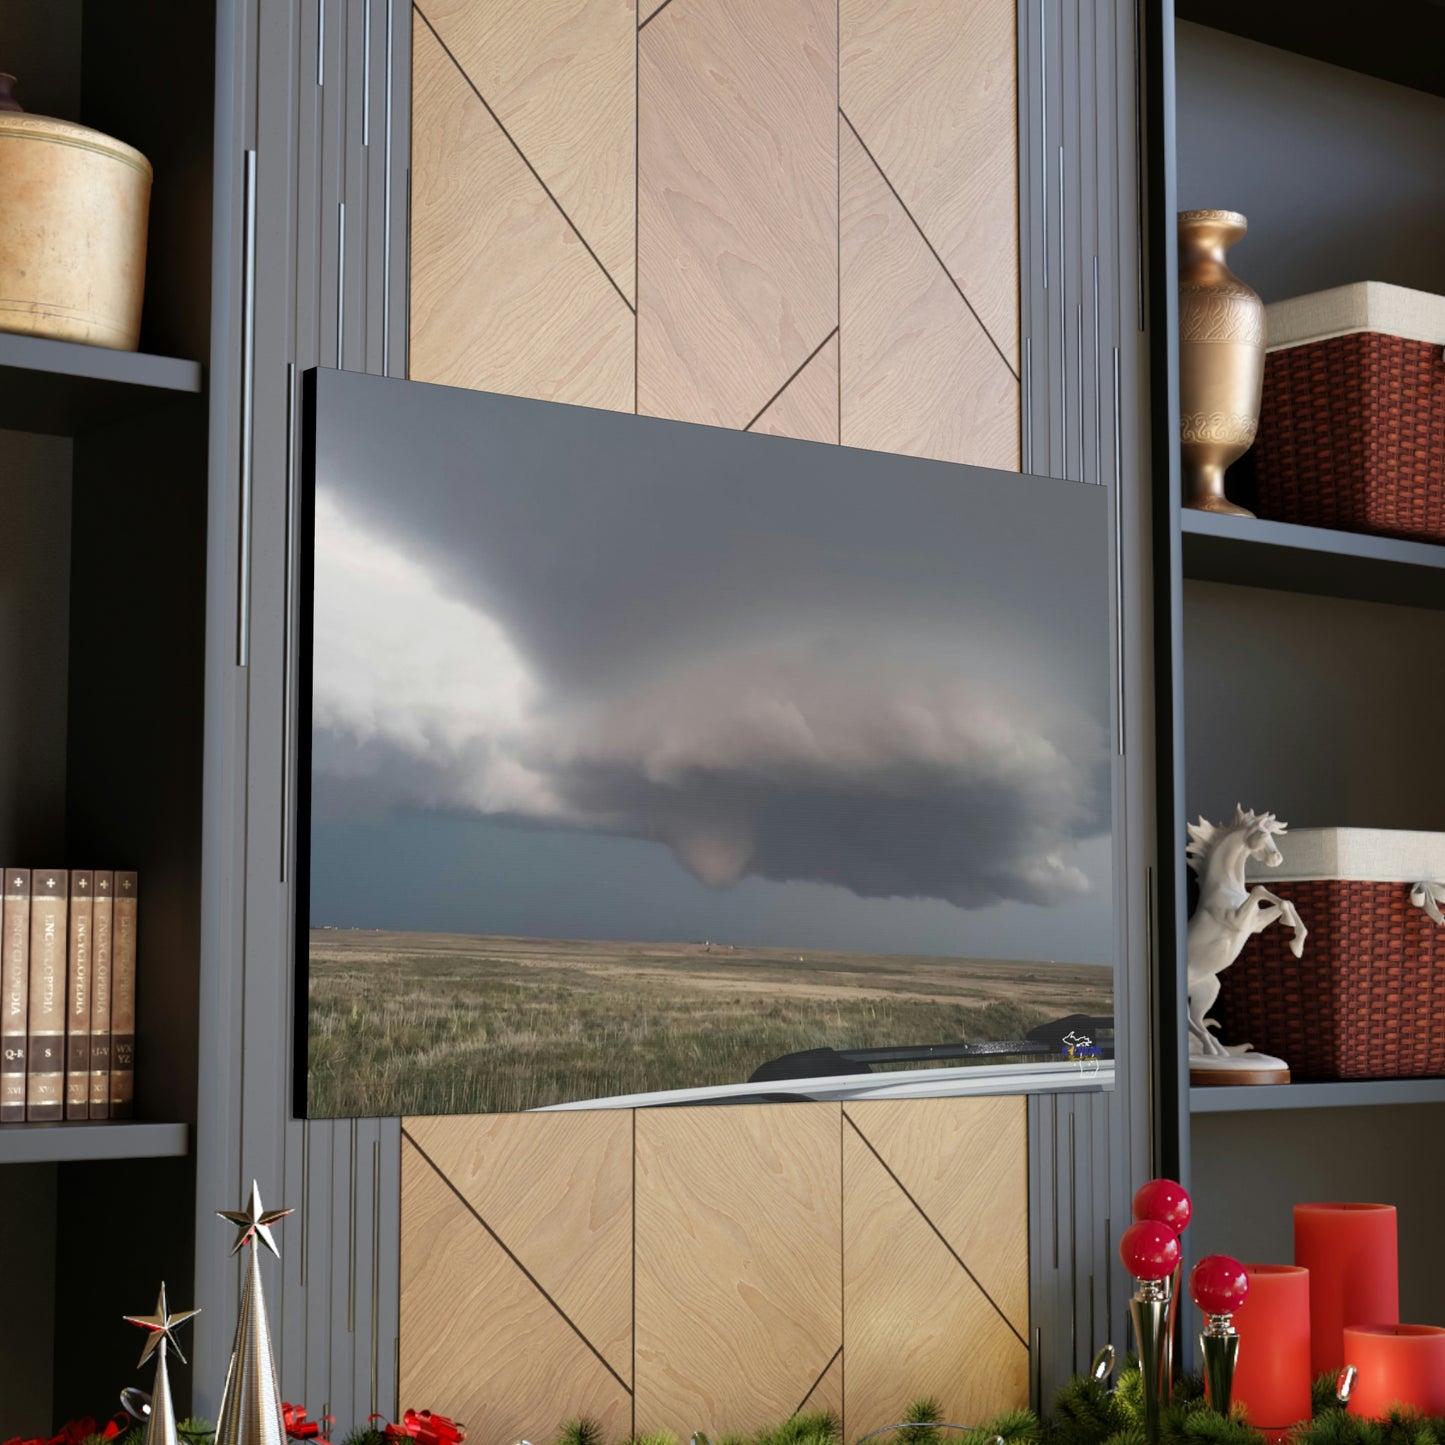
(254, 1221)
(159, 1326)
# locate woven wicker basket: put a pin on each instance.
(1367, 1000)
(1352, 421)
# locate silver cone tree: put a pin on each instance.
(250, 1412)
(161, 1422)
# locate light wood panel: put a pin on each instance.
(919, 375)
(932, 87)
(505, 297)
(557, 1189)
(479, 1341)
(738, 1306)
(808, 406)
(561, 77)
(737, 202)
(966, 1163)
(827, 1394)
(914, 1321)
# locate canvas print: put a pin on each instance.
(653, 762)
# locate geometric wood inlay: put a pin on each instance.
(557, 1190)
(914, 1320)
(738, 1237)
(561, 76)
(737, 202)
(919, 374)
(932, 87)
(489, 246)
(479, 1341)
(807, 407)
(965, 1162)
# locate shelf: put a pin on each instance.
(1248, 1099)
(118, 1139)
(61, 388)
(1250, 552)
(1401, 41)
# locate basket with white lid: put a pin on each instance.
(1367, 999)
(1352, 420)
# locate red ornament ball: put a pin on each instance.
(1219, 1284)
(1166, 1201)
(1149, 1250)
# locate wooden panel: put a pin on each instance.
(919, 375)
(807, 407)
(965, 1161)
(505, 297)
(827, 1394)
(931, 86)
(914, 1321)
(738, 1289)
(561, 77)
(496, 1353)
(737, 202)
(557, 1189)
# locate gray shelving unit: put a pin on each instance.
(114, 1140)
(60, 388)
(1303, 674)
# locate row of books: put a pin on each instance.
(67, 994)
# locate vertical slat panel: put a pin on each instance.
(385, 1321)
(319, 1266)
(339, 1281)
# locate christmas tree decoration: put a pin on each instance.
(1150, 1252)
(251, 1411)
(1219, 1285)
(161, 1421)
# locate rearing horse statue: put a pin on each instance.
(1228, 912)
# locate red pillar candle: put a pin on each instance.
(1398, 1365)
(1272, 1378)
(1351, 1253)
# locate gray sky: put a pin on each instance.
(581, 674)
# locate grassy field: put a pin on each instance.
(432, 1023)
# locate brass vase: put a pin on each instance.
(1221, 358)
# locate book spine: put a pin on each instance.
(45, 1064)
(100, 954)
(122, 996)
(14, 994)
(78, 996)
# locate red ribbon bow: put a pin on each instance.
(298, 1427)
(423, 1427)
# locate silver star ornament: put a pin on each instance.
(253, 1220)
(159, 1326)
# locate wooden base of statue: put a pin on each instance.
(1237, 1069)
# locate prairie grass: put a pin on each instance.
(445, 1024)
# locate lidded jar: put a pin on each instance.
(73, 213)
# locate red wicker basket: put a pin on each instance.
(1367, 1000)
(1352, 426)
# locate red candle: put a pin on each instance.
(1398, 1365)
(1272, 1378)
(1351, 1253)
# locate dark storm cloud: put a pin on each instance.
(779, 660)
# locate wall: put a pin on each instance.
(794, 216)
(716, 1269)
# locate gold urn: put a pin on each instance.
(73, 209)
(1221, 358)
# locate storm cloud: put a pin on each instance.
(817, 684)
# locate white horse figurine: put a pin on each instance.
(1228, 912)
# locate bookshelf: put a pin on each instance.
(104, 464)
(1302, 681)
